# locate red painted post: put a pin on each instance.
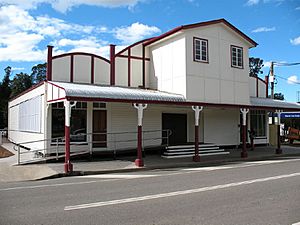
(196, 157)
(244, 153)
(68, 165)
(139, 161)
(112, 64)
(278, 149)
(49, 63)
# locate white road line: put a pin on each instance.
(119, 176)
(296, 223)
(211, 168)
(176, 193)
(46, 185)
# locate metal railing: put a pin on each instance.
(87, 143)
(3, 133)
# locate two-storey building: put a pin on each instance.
(189, 85)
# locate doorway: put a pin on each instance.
(99, 128)
(177, 124)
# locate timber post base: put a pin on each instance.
(139, 162)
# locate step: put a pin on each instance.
(191, 155)
(191, 146)
(192, 149)
(192, 152)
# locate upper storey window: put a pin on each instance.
(236, 56)
(200, 50)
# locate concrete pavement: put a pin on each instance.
(10, 172)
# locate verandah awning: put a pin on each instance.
(58, 91)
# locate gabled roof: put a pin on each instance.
(201, 24)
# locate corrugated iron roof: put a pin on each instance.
(116, 92)
(273, 103)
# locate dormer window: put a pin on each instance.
(237, 57)
(200, 50)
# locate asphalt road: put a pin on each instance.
(265, 192)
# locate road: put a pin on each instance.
(263, 192)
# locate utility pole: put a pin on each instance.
(272, 79)
(272, 86)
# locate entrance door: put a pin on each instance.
(99, 128)
(177, 123)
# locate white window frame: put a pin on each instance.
(237, 61)
(199, 52)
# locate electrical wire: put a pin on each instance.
(286, 64)
(283, 78)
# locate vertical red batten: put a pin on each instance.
(267, 85)
(49, 63)
(257, 87)
(72, 69)
(139, 161)
(92, 69)
(144, 68)
(112, 64)
(129, 67)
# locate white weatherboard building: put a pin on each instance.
(188, 85)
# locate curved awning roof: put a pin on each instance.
(89, 92)
(273, 103)
(58, 91)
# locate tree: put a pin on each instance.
(279, 96)
(20, 83)
(38, 73)
(255, 64)
(4, 96)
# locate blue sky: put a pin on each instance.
(28, 26)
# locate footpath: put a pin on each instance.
(11, 172)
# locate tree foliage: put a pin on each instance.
(38, 73)
(255, 64)
(5, 92)
(20, 83)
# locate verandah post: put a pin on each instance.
(68, 165)
(278, 149)
(140, 107)
(244, 153)
(197, 110)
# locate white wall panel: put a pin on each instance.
(82, 69)
(121, 71)
(61, 69)
(102, 71)
(221, 126)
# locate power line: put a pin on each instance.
(286, 64)
(292, 81)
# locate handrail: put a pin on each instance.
(56, 143)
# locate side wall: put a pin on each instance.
(15, 134)
(168, 66)
(257, 87)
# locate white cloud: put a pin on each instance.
(135, 32)
(263, 29)
(66, 5)
(295, 41)
(17, 68)
(21, 34)
(293, 80)
(252, 2)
